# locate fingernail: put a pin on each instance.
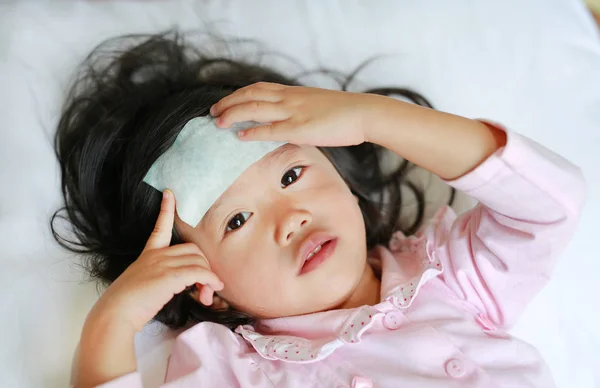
(241, 133)
(218, 121)
(166, 194)
(212, 110)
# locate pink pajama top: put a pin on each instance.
(448, 297)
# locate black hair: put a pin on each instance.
(132, 96)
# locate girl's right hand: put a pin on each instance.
(160, 272)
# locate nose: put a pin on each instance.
(291, 222)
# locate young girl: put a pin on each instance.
(293, 277)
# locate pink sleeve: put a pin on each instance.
(498, 255)
(130, 380)
(206, 355)
(210, 355)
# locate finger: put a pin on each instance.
(206, 295)
(254, 92)
(280, 132)
(188, 275)
(163, 229)
(183, 249)
(269, 85)
(185, 260)
(259, 111)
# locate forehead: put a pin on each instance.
(258, 168)
(261, 167)
(283, 152)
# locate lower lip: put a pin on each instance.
(325, 252)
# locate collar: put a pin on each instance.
(406, 266)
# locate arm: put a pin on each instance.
(106, 351)
(445, 144)
(500, 254)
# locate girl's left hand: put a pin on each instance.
(299, 115)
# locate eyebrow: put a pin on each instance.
(282, 151)
(274, 156)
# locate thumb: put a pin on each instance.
(163, 229)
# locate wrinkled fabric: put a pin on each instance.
(448, 297)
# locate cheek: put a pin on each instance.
(254, 295)
(249, 272)
(343, 209)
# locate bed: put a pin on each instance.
(532, 65)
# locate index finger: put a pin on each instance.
(260, 91)
(163, 229)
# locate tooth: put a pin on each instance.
(310, 255)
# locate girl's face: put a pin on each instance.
(286, 238)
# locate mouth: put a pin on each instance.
(317, 248)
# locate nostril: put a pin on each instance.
(289, 236)
(303, 223)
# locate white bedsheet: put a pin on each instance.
(532, 65)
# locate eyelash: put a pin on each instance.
(236, 218)
(298, 175)
(239, 222)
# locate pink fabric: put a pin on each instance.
(448, 296)
(131, 380)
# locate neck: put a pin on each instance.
(367, 292)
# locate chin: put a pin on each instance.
(340, 286)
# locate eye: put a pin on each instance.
(238, 221)
(291, 176)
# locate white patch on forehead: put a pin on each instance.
(202, 163)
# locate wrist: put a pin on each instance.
(99, 323)
(445, 144)
(384, 115)
(106, 350)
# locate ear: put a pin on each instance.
(218, 302)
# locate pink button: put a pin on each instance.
(455, 368)
(393, 320)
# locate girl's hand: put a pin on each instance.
(299, 115)
(160, 272)
(107, 348)
(445, 144)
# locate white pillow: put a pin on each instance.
(534, 66)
